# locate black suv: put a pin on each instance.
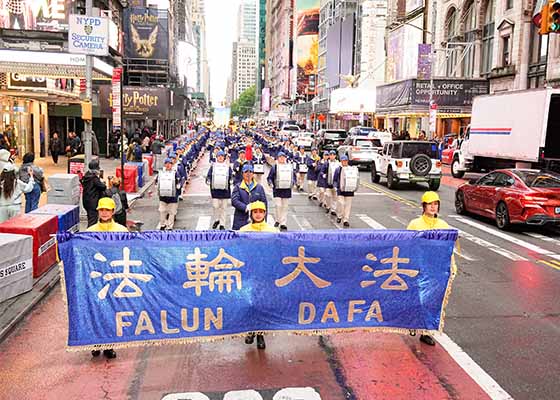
(330, 139)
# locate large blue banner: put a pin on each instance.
(139, 288)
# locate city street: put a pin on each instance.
(503, 321)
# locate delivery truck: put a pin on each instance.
(518, 129)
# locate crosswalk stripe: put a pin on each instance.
(543, 237)
(370, 221)
(305, 224)
(203, 223)
(509, 238)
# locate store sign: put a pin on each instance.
(36, 15)
(88, 35)
(116, 93)
(145, 102)
(146, 34)
(17, 81)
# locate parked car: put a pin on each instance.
(305, 139)
(448, 153)
(370, 132)
(407, 161)
(512, 196)
(360, 150)
(330, 139)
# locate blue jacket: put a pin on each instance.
(312, 170)
(238, 171)
(336, 184)
(219, 193)
(241, 197)
(281, 193)
(322, 171)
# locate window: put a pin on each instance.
(509, 4)
(470, 36)
(488, 37)
(504, 180)
(451, 31)
(487, 180)
(505, 51)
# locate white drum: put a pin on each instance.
(349, 179)
(333, 165)
(258, 168)
(166, 184)
(302, 169)
(220, 175)
(284, 176)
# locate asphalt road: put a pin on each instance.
(504, 314)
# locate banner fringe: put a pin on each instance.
(214, 339)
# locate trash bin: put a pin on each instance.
(130, 178)
(16, 265)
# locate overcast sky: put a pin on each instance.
(221, 24)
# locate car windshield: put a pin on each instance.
(335, 135)
(410, 149)
(539, 179)
(368, 143)
(290, 128)
(364, 131)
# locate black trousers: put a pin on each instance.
(92, 217)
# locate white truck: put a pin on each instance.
(519, 129)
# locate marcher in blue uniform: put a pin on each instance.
(168, 204)
(258, 159)
(344, 203)
(281, 196)
(312, 162)
(243, 194)
(322, 184)
(300, 159)
(238, 167)
(219, 196)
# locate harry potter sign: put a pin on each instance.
(145, 102)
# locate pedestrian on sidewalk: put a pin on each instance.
(119, 197)
(93, 189)
(429, 220)
(55, 146)
(106, 223)
(32, 198)
(11, 190)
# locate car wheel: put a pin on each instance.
(374, 176)
(455, 169)
(420, 165)
(434, 184)
(502, 216)
(391, 179)
(460, 207)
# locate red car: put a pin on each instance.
(448, 153)
(512, 196)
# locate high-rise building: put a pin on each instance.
(244, 51)
(261, 48)
(199, 31)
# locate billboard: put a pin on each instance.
(265, 99)
(145, 102)
(307, 45)
(35, 15)
(402, 50)
(146, 33)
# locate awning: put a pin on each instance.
(52, 65)
(424, 114)
(353, 100)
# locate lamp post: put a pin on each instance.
(431, 106)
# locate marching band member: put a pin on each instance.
(301, 165)
(281, 179)
(243, 194)
(331, 191)
(312, 162)
(344, 203)
(238, 167)
(322, 183)
(169, 188)
(219, 191)
(258, 163)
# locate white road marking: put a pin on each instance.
(243, 395)
(509, 238)
(305, 224)
(481, 377)
(297, 394)
(543, 237)
(186, 396)
(370, 221)
(203, 223)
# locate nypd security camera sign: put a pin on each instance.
(88, 35)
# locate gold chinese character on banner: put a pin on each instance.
(301, 260)
(213, 273)
(393, 281)
(127, 277)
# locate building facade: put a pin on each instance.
(244, 51)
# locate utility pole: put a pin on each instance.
(87, 123)
(432, 129)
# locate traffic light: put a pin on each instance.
(554, 16)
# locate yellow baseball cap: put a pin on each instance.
(430, 197)
(257, 205)
(106, 203)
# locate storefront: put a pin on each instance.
(352, 107)
(404, 105)
(35, 86)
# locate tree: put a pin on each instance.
(244, 105)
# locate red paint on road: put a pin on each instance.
(448, 180)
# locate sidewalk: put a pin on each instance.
(13, 310)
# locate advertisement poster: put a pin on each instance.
(146, 33)
(145, 102)
(424, 61)
(88, 35)
(35, 15)
(307, 45)
(116, 96)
